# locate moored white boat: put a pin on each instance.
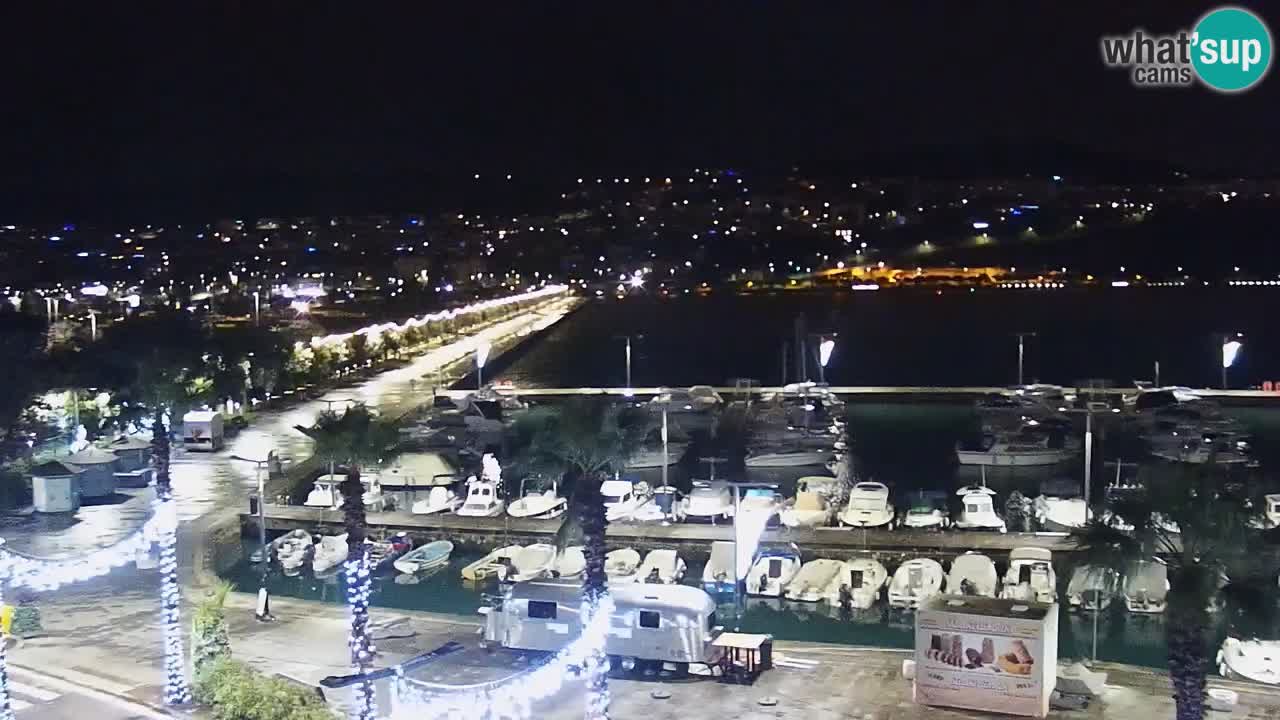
(541, 506)
(439, 499)
(1058, 514)
(1146, 586)
(330, 552)
(868, 506)
(858, 583)
(569, 563)
(424, 557)
(292, 550)
(915, 582)
(324, 492)
(1030, 576)
(661, 566)
(482, 499)
(494, 564)
(786, 457)
(620, 565)
(814, 503)
(653, 457)
(977, 510)
(810, 583)
(1092, 587)
(717, 574)
(708, 501)
(533, 561)
(1000, 452)
(1253, 660)
(973, 574)
(772, 571)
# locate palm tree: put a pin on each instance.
(584, 442)
(1201, 528)
(354, 438)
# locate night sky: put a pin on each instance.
(234, 108)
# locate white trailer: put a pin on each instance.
(202, 430)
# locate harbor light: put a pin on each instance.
(825, 348)
(482, 354)
(1230, 350)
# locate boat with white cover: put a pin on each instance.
(814, 503)
(708, 501)
(973, 574)
(330, 552)
(1058, 514)
(621, 565)
(997, 451)
(915, 582)
(495, 564)
(717, 574)
(977, 510)
(810, 583)
(482, 499)
(1146, 586)
(786, 456)
(538, 505)
(1092, 587)
(868, 506)
(570, 563)
(622, 498)
(661, 566)
(651, 456)
(1030, 576)
(439, 499)
(324, 492)
(859, 581)
(772, 571)
(533, 561)
(292, 550)
(424, 558)
(1253, 660)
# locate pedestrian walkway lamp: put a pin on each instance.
(262, 612)
(482, 354)
(1230, 350)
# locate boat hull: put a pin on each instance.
(1049, 457)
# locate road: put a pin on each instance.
(36, 696)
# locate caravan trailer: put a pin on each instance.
(668, 623)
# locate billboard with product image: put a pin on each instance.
(986, 654)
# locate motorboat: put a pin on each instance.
(482, 499)
(495, 564)
(1200, 449)
(424, 558)
(927, 511)
(915, 582)
(1057, 514)
(977, 510)
(324, 492)
(1253, 660)
(1015, 451)
(973, 574)
(711, 501)
(533, 561)
(857, 584)
(538, 505)
(439, 499)
(666, 504)
(868, 506)
(814, 504)
(383, 554)
(1271, 510)
(1092, 587)
(620, 565)
(416, 470)
(810, 583)
(569, 563)
(772, 571)
(786, 456)
(652, 456)
(661, 566)
(1146, 587)
(329, 553)
(1030, 576)
(758, 501)
(292, 550)
(694, 408)
(622, 498)
(718, 573)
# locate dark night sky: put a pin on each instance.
(303, 106)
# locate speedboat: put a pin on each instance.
(762, 502)
(1146, 585)
(666, 504)
(653, 457)
(533, 561)
(541, 506)
(1201, 448)
(810, 583)
(780, 457)
(661, 566)
(857, 584)
(708, 501)
(496, 563)
(330, 552)
(622, 498)
(438, 500)
(292, 550)
(868, 506)
(1057, 514)
(915, 582)
(814, 503)
(977, 510)
(973, 574)
(620, 565)
(424, 558)
(1030, 576)
(1092, 587)
(569, 563)
(772, 571)
(718, 573)
(926, 511)
(1012, 452)
(324, 492)
(482, 499)
(1253, 660)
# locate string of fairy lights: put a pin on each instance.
(359, 586)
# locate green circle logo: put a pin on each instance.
(1231, 49)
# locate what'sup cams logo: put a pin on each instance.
(1228, 51)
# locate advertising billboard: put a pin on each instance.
(987, 654)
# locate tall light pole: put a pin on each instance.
(628, 362)
(627, 356)
(257, 315)
(265, 559)
(825, 347)
(1230, 350)
(1088, 460)
(482, 354)
(664, 441)
(1021, 335)
(93, 325)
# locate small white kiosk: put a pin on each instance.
(55, 487)
(99, 476)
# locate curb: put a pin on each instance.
(143, 707)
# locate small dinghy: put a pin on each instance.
(792, 456)
(497, 563)
(620, 565)
(858, 583)
(330, 552)
(915, 582)
(383, 554)
(292, 550)
(425, 558)
(1092, 587)
(661, 566)
(569, 563)
(772, 571)
(717, 574)
(439, 499)
(1253, 660)
(973, 574)
(532, 562)
(810, 584)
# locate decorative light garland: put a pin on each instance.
(6, 708)
(513, 699)
(359, 586)
(176, 689)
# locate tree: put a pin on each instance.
(22, 342)
(1017, 512)
(358, 349)
(1200, 527)
(584, 442)
(354, 438)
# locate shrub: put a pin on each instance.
(236, 691)
(209, 637)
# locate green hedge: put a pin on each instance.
(236, 691)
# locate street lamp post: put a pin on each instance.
(93, 325)
(264, 559)
(1021, 335)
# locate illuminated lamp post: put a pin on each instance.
(1230, 350)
